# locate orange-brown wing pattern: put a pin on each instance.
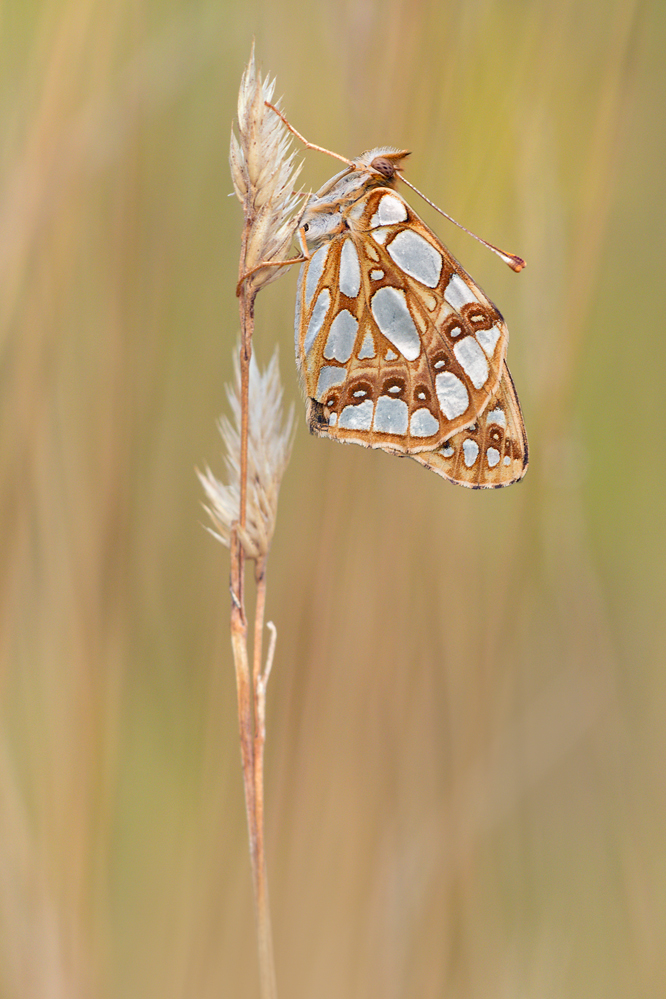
(490, 454)
(398, 348)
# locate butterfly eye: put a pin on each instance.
(306, 227)
(383, 167)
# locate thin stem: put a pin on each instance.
(243, 687)
(246, 308)
(251, 688)
(238, 622)
(266, 964)
(271, 652)
(260, 580)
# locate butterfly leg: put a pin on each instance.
(268, 263)
(308, 145)
(277, 263)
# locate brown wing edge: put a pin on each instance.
(522, 426)
(318, 427)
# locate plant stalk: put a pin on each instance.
(251, 687)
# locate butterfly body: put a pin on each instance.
(397, 347)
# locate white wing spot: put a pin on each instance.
(488, 339)
(472, 360)
(470, 452)
(389, 307)
(333, 419)
(350, 270)
(357, 417)
(376, 275)
(417, 257)
(317, 318)
(507, 460)
(379, 235)
(328, 377)
(493, 456)
(456, 331)
(457, 292)
(421, 395)
(390, 355)
(315, 268)
(391, 209)
(341, 337)
(390, 416)
(497, 416)
(452, 394)
(394, 389)
(447, 451)
(439, 364)
(360, 394)
(423, 423)
(367, 347)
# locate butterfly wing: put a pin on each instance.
(398, 348)
(490, 454)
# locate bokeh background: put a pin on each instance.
(466, 737)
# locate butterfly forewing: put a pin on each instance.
(490, 454)
(397, 347)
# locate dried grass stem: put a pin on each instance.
(258, 449)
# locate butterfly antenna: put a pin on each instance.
(308, 145)
(515, 262)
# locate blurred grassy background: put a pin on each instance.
(466, 738)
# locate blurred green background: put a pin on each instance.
(466, 739)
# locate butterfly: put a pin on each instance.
(396, 346)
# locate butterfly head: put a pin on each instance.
(324, 215)
(383, 163)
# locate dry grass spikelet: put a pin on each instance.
(269, 447)
(264, 174)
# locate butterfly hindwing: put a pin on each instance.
(490, 454)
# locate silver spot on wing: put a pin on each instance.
(350, 269)
(417, 257)
(452, 395)
(341, 337)
(470, 452)
(472, 360)
(390, 416)
(389, 307)
(458, 293)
